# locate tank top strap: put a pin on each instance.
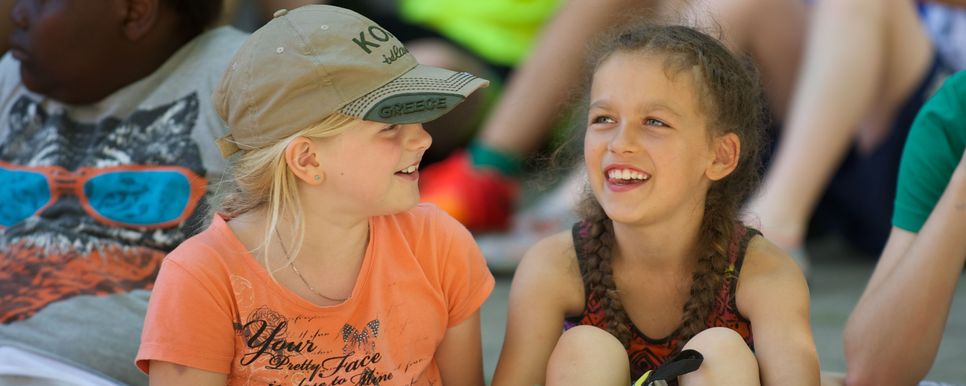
(580, 233)
(738, 247)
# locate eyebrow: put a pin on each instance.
(650, 106)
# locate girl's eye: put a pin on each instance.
(391, 128)
(602, 119)
(654, 122)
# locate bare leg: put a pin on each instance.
(863, 57)
(727, 360)
(587, 355)
(536, 94)
(774, 41)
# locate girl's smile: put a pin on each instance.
(410, 172)
(382, 176)
(645, 121)
(621, 178)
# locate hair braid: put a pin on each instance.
(598, 274)
(730, 94)
(717, 231)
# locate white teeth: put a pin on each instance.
(409, 170)
(627, 174)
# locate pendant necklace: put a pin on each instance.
(299, 274)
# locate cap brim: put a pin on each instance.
(419, 95)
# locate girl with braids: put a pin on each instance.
(660, 261)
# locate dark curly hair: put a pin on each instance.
(730, 94)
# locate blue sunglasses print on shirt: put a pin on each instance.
(131, 196)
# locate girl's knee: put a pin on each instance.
(588, 354)
(716, 338)
(589, 340)
(727, 359)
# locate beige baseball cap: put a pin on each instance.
(310, 62)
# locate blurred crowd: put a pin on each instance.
(844, 82)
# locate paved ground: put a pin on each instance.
(837, 281)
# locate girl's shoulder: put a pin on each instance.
(424, 217)
(215, 248)
(555, 252)
(768, 272)
(550, 271)
(429, 236)
(560, 245)
(765, 260)
(423, 226)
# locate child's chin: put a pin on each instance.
(406, 204)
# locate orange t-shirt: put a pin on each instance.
(215, 308)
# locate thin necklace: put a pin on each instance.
(291, 263)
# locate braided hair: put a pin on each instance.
(730, 94)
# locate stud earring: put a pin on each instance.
(318, 177)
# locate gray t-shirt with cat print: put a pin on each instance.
(92, 198)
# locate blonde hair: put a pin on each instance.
(261, 178)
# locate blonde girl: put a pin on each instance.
(321, 268)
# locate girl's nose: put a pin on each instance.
(624, 140)
(418, 138)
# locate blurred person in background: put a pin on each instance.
(894, 332)
(107, 155)
(5, 25)
(866, 68)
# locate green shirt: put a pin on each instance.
(932, 152)
(500, 31)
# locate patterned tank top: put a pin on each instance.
(646, 353)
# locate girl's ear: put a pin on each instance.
(727, 152)
(302, 160)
